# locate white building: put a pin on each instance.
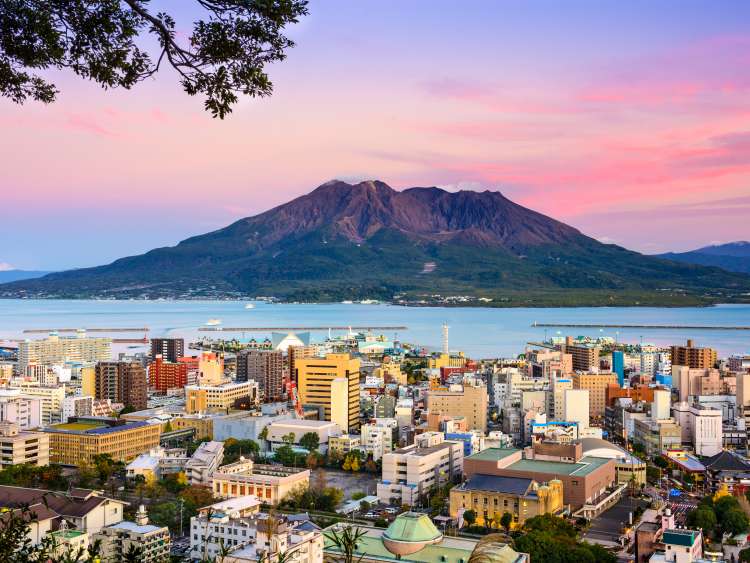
(298, 428)
(412, 471)
(57, 350)
(202, 464)
(576, 407)
(556, 395)
(701, 427)
(237, 525)
(51, 400)
(77, 405)
(377, 439)
(24, 410)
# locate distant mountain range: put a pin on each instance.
(366, 240)
(16, 275)
(732, 256)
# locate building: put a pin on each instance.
(204, 462)
(596, 384)
(21, 446)
(576, 407)
(269, 483)
(220, 398)
(701, 427)
(297, 428)
(618, 366)
(164, 375)
(628, 468)
(82, 509)
(57, 350)
(210, 369)
(692, 356)
(80, 439)
(122, 382)
(235, 531)
(170, 349)
(491, 496)
(656, 436)
(413, 538)
(469, 400)
(412, 471)
(23, 410)
(333, 384)
(345, 443)
(50, 399)
(118, 540)
(390, 372)
(584, 356)
(377, 437)
(77, 405)
(295, 353)
(587, 480)
(266, 367)
(556, 403)
(385, 406)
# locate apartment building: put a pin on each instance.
(333, 384)
(219, 398)
(693, 356)
(164, 375)
(377, 437)
(122, 382)
(50, 398)
(269, 483)
(20, 446)
(170, 349)
(468, 400)
(204, 462)
(80, 439)
(584, 356)
(413, 471)
(60, 350)
(23, 410)
(345, 443)
(266, 367)
(117, 540)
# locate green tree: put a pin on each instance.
(734, 522)
(470, 517)
(345, 538)
(310, 441)
(703, 517)
(110, 42)
(506, 521)
(288, 438)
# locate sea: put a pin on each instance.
(479, 332)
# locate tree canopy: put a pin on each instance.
(119, 43)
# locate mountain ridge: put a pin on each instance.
(731, 256)
(364, 240)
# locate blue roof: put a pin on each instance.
(510, 485)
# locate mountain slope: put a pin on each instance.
(16, 275)
(732, 256)
(344, 241)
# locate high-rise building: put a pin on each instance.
(556, 403)
(596, 384)
(470, 401)
(618, 366)
(122, 382)
(210, 369)
(164, 375)
(264, 366)
(693, 357)
(584, 356)
(57, 350)
(168, 348)
(295, 353)
(576, 407)
(332, 383)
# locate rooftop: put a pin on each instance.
(133, 527)
(582, 468)
(493, 454)
(511, 485)
(681, 537)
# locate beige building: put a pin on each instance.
(491, 496)
(692, 356)
(218, 398)
(443, 360)
(391, 372)
(413, 471)
(584, 357)
(57, 350)
(18, 446)
(210, 369)
(20, 409)
(203, 424)
(269, 483)
(469, 400)
(79, 440)
(657, 436)
(88, 381)
(342, 445)
(332, 383)
(596, 384)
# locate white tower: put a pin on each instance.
(445, 338)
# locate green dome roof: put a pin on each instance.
(410, 532)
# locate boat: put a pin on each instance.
(347, 302)
(213, 322)
(249, 306)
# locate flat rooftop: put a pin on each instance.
(78, 426)
(584, 467)
(493, 454)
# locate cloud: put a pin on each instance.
(5, 267)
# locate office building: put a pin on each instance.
(295, 353)
(700, 426)
(269, 483)
(221, 397)
(164, 375)
(333, 384)
(469, 400)
(596, 384)
(21, 446)
(79, 440)
(266, 367)
(170, 349)
(122, 382)
(60, 350)
(278, 430)
(618, 366)
(692, 356)
(412, 471)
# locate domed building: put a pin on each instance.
(627, 466)
(413, 537)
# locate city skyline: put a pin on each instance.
(637, 135)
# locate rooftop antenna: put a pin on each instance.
(445, 338)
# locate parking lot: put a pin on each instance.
(348, 482)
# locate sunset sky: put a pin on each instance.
(628, 120)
